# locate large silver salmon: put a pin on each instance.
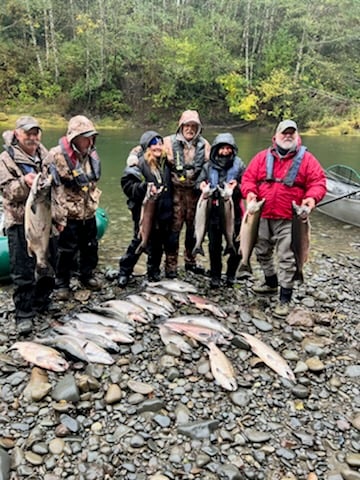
(38, 223)
(203, 207)
(227, 217)
(41, 355)
(147, 216)
(249, 233)
(300, 238)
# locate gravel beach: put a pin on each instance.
(158, 413)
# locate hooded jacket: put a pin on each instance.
(136, 177)
(220, 171)
(81, 201)
(186, 158)
(310, 181)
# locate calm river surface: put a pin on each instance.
(329, 236)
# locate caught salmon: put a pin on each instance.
(159, 299)
(197, 332)
(167, 336)
(147, 216)
(221, 368)
(127, 311)
(41, 355)
(202, 321)
(149, 307)
(300, 238)
(249, 233)
(38, 223)
(94, 318)
(205, 304)
(97, 329)
(203, 208)
(268, 355)
(227, 217)
(100, 340)
(175, 286)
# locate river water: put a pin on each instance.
(328, 236)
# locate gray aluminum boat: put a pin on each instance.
(342, 200)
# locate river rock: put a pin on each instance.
(66, 389)
(113, 394)
(4, 465)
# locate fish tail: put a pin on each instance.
(230, 249)
(198, 251)
(298, 276)
(245, 267)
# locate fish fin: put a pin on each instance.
(299, 276)
(139, 249)
(229, 249)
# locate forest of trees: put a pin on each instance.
(239, 60)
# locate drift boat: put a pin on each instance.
(102, 222)
(342, 199)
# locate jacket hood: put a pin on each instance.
(222, 139)
(146, 138)
(189, 116)
(80, 125)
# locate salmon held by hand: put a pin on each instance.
(38, 223)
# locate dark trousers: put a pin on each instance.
(159, 242)
(31, 294)
(77, 250)
(215, 234)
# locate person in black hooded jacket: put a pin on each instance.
(223, 174)
(147, 171)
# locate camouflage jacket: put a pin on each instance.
(13, 168)
(82, 202)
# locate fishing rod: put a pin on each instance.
(338, 198)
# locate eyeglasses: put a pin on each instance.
(155, 141)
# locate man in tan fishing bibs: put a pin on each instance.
(186, 151)
(79, 167)
(282, 174)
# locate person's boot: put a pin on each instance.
(270, 286)
(283, 307)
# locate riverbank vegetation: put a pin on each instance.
(239, 62)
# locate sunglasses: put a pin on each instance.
(155, 141)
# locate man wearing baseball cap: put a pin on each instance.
(282, 174)
(24, 157)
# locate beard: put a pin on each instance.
(287, 144)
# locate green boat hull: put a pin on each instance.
(102, 222)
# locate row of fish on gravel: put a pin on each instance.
(93, 337)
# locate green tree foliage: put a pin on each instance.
(251, 60)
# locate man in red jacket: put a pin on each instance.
(284, 173)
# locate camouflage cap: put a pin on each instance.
(26, 123)
(80, 126)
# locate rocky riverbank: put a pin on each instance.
(158, 413)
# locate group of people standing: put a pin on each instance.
(74, 168)
(183, 166)
(174, 171)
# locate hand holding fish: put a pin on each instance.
(251, 198)
(29, 178)
(308, 202)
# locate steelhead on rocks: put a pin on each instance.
(268, 355)
(202, 321)
(199, 333)
(249, 233)
(150, 307)
(126, 310)
(205, 304)
(168, 336)
(175, 286)
(160, 300)
(38, 223)
(300, 238)
(100, 340)
(41, 355)
(97, 329)
(88, 317)
(221, 368)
